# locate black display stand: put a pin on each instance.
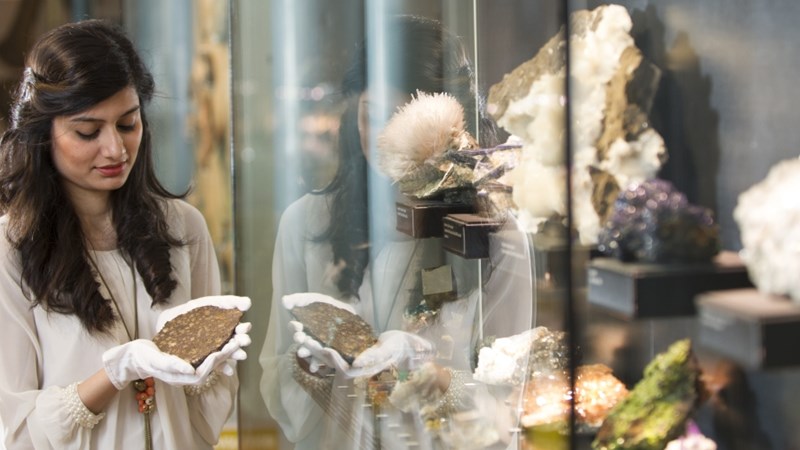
(646, 290)
(467, 235)
(754, 329)
(423, 218)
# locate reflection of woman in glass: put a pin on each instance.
(336, 242)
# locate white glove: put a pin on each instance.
(317, 356)
(140, 359)
(394, 348)
(225, 359)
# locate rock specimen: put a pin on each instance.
(412, 147)
(653, 222)
(194, 335)
(768, 215)
(692, 440)
(546, 401)
(659, 405)
(511, 360)
(613, 145)
(341, 330)
(427, 151)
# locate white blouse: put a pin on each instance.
(42, 353)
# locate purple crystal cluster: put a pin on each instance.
(653, 222)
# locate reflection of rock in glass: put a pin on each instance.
(659, 405)
(612, 91)
(341, 330)
(653, 222)
(768, 215)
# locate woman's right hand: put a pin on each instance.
(140, 359)
(316, 357)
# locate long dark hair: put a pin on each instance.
(70, 69)
(425, 57)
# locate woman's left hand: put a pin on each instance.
(394, 348)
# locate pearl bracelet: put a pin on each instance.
(211, 380)
(77, 410)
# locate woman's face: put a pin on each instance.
(373, 112)
(94, 150)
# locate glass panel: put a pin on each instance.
(297, 111)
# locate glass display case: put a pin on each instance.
(534, 242)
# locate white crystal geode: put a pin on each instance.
(612, 91)
(768, 216)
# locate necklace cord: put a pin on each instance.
(132, 265)
(145, 410)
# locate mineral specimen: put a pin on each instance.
(659, 405)
(341, 330)
(194, 335)
(547, 398)
(612, 91)
(427, 151)
(412, 146)
(511, 360)
(653, 222)
(692, 440)
(768, 215)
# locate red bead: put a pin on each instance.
(150, 391)
(149, 381)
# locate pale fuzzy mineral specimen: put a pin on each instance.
(421, 132)
(612, 91)
(768, 215)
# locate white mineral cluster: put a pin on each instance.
(768, 215)
(529, 104)
(506, 361)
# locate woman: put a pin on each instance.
(96, 256)
(351, 255)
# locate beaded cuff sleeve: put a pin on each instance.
(77, 410)
(210, 381)
(454, 399)
(318, 387)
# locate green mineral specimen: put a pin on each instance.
(657, 408)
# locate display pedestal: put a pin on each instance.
(423, 218)
(467, 235)
(646, 290)
(754, 329)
